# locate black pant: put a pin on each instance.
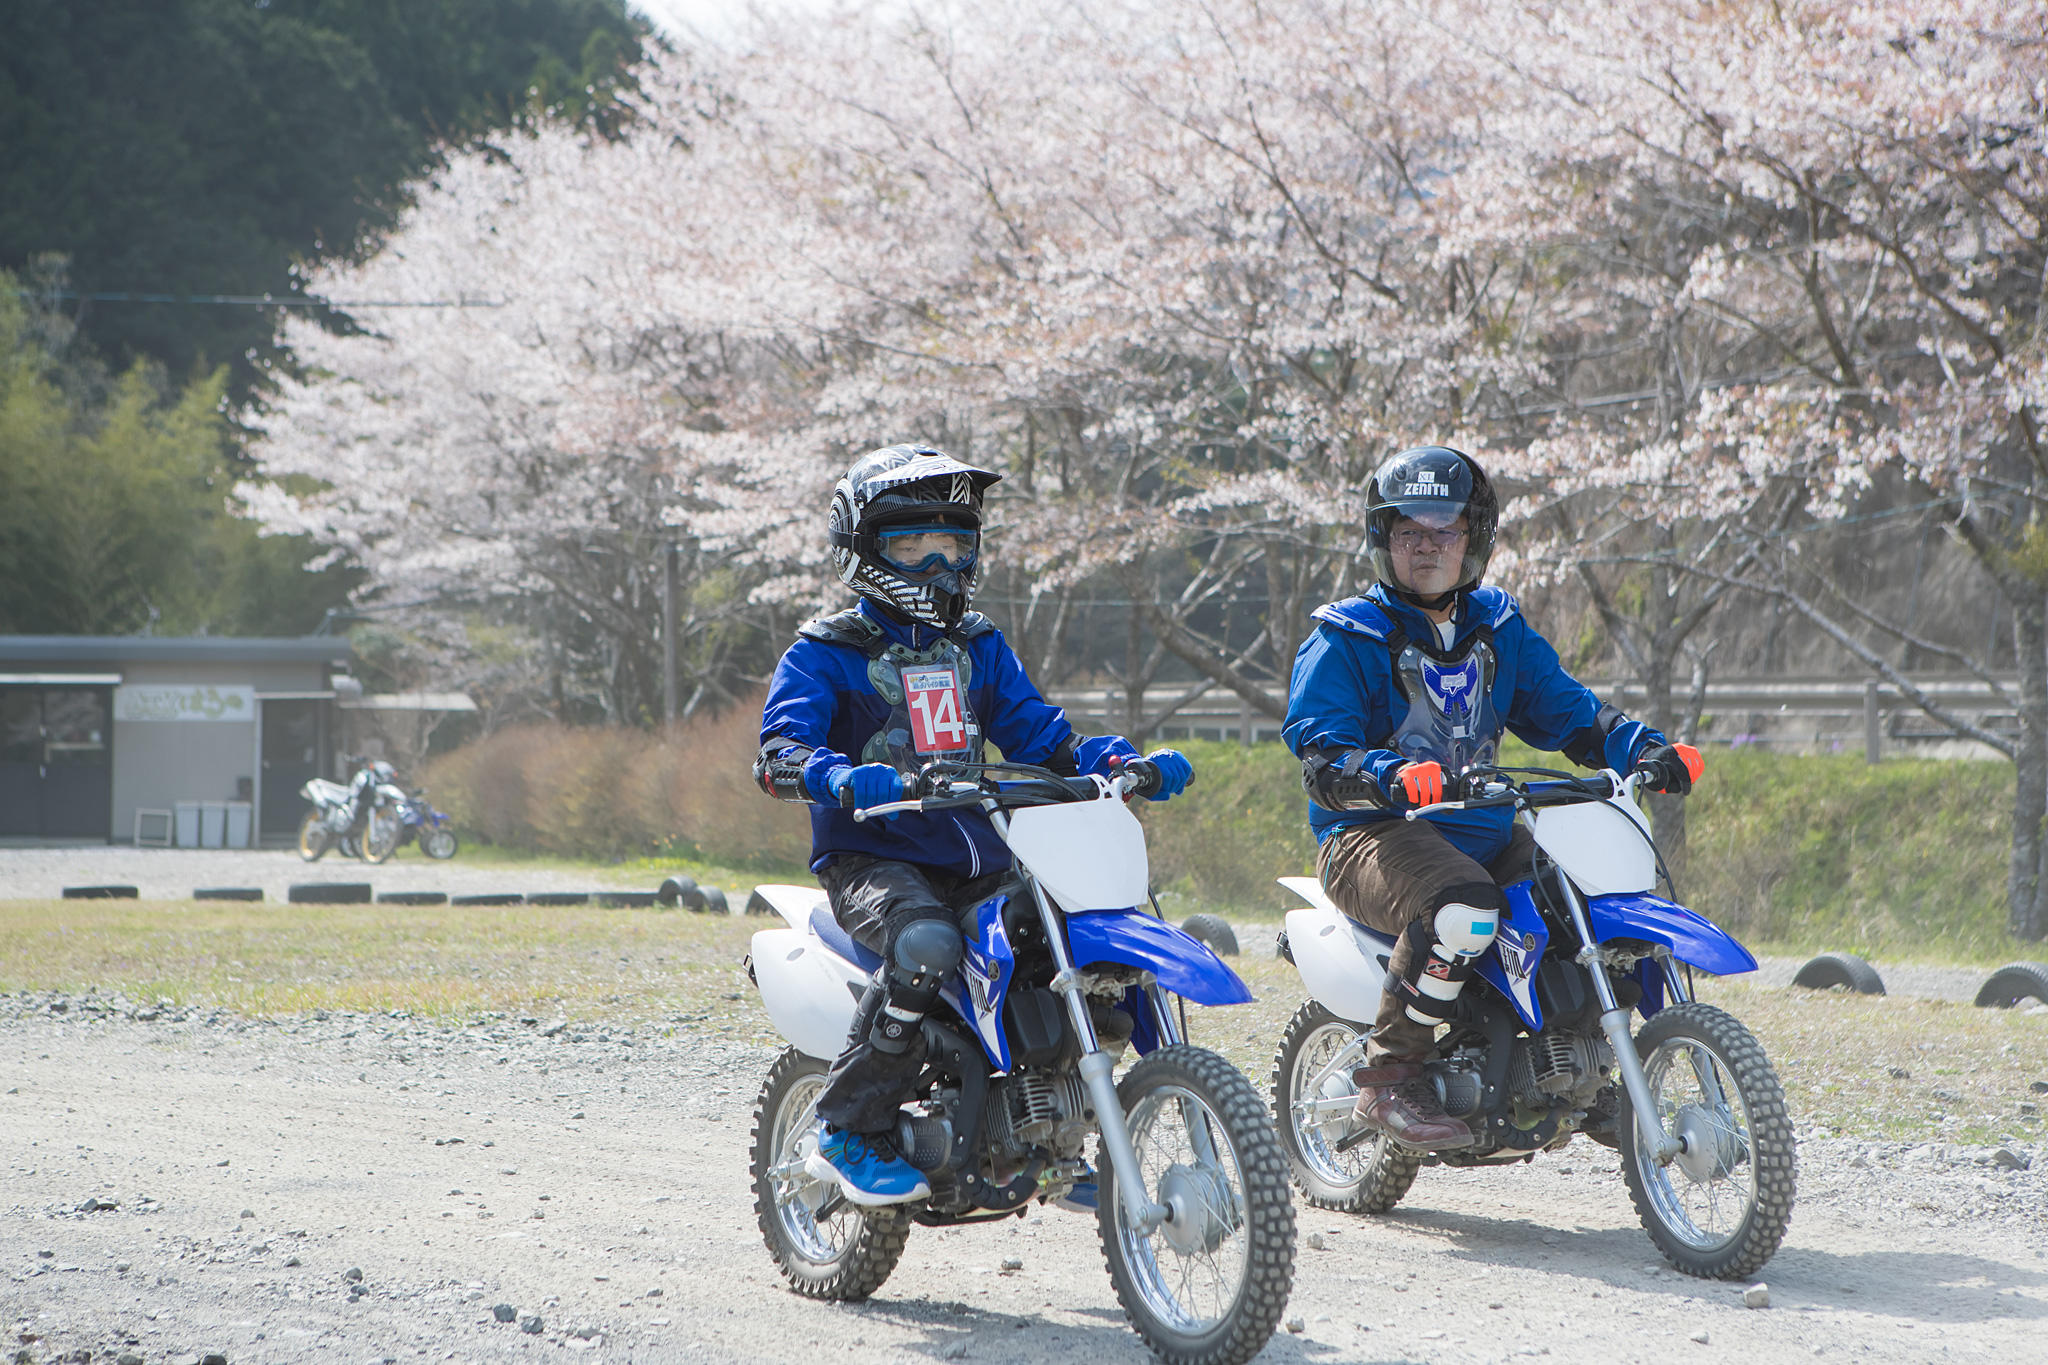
(875, 900)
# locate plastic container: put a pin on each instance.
(213, 824)
(186, 822)
(238, 813)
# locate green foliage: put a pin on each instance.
(210, 146)
(1243, 823)
(113, 501)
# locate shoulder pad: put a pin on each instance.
(1494, 606)
(1358, 615)
(848, 627)
(972, 626)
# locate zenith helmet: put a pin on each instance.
(1432, 485)
(914, 495)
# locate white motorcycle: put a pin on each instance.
(1063, 966)
(1540, 1047)
(332, 821)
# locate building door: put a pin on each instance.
(291, 756)
(56, 762)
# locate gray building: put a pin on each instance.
(129, 737)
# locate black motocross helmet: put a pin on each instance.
(1432, 485)
(905, 489)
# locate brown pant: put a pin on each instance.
(1392, 873)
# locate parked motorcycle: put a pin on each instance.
(419, 820)
(333, 822)
(1542, 1049)
(1062, 969)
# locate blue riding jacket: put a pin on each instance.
(1347, 693)
(825, 697)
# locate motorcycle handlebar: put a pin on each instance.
(1498, 788)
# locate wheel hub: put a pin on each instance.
(1199, 1208)
(1711, 1150)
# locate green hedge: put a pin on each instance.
(1798, 852)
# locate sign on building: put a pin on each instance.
(198, 702)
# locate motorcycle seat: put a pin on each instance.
(841, 942)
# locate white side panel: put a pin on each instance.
(1340, 966)
(1310, 890)
(804, 987)
(1602, 846)
(1090, 855)
(793, 903)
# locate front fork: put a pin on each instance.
(1614, 1022)
(1097, 1066)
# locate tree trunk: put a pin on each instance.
(2026, 916)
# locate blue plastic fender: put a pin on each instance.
(1693, 938)
(1183, 964)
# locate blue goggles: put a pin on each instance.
(928, 549)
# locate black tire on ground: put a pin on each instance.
(328, 893)
(1830, 970)
(228, 893)
(758, 904)
(625, 900)
(1248, 1229)
(692, 898)
(558, 898)
(489, 898)
(2014, 982)
(313, 840)
(101, 893)
(1739, 1169)
(1368, 1178)
(1213, 930)
(714, 900)
(412, 898)
(847, 1257)
(673, 889)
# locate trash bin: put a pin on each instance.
(187, 822)
(213, 823)
(238, 824)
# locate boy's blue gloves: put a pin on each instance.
(872, 784)
(1174, 772)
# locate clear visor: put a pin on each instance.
(928, 549)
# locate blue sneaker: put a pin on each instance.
(866, 1170)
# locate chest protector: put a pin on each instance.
(929, 691)
(1450, 717)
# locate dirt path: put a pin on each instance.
(596, 1180)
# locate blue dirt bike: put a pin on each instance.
(1540, 1047)
(1063, 969)
(433, 828)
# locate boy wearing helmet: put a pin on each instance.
(1394, 696)
(866, 696)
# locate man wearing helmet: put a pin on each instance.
(906, 677)
(1396, 694)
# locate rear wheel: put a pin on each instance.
(312, 837)
(825, 1247)
(1719, 1208)
(1206, 1286)
(1312, 1102)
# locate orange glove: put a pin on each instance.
(1419, 784)
(1672, 768)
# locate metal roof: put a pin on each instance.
(115, 649)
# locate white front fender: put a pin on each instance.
(809, 991)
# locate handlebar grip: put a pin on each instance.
(1147, 773)
(846, 797)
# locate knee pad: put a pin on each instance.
(925, 952)
(1464, 929)
(1438, 970)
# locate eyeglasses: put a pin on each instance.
(1414, 537)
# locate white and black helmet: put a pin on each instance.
(906, 490)
(1432, 484)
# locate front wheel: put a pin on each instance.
(438, 842)
(312, 837)
(380, 835)
(825, 1247)
(1207, 1285)
(1313, 1096)
(1719, 1208)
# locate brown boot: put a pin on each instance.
(1395, 1098)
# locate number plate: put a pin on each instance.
(938, 714)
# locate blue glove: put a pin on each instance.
(1175, 772)
(872, 784)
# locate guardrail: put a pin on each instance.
(1802, 712)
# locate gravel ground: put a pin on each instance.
(180, 1186)
(175, 873)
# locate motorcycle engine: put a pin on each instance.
(1029, 1109)
(1559, 1067)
